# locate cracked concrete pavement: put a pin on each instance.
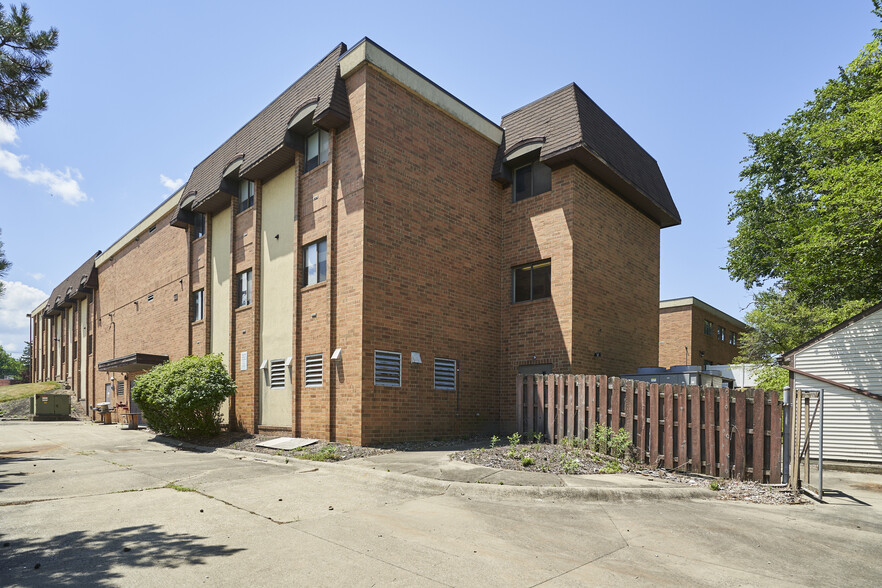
(84, 504)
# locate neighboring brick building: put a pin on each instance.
(376, 261)
(692, 332)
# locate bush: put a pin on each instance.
(182, 398)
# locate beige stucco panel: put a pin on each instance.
(220, 292)
(278, 201)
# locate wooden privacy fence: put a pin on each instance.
(714, 431)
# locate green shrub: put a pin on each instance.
(182, 398)
(527, 461)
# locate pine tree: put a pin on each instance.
(23, 65)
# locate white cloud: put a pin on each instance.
(169, 183)
(64, 184)
(37, 276)
(18, 300)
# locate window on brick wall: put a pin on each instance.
(89, 345)
(445, 374)
(531, 281)
(277, 373)
(313, 369)
(199, 305)
(721, 333)
(198, 229)
(387, 368)
(708, 328)
(531, 180)
(246, 194)
(316, 149)
(315, 262)
(244, 288)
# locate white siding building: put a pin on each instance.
(846, 362)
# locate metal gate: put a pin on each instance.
(806, 428)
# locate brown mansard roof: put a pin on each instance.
(572, 127)
(74, 287)
(261, 142)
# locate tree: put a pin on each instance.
(25, 361)
(4, 266)
(809, 218)
(9, 366)
(23, 65)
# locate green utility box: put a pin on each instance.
(47, 407)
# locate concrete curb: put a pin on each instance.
(395, 481)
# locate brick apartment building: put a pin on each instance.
(376, 260)
(692, 332)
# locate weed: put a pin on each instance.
(715, 485)
(180, 488)
(328, 453)
(569, 465)
(527, 461)
(514, 439)
(537, 438)
(493, 441)
(602, 440)
(514, 454)
(611, 467)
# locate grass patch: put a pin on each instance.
(17, 391)
(329, 453)
(180, 488)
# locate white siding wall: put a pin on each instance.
(852, 356)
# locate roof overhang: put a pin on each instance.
(136, 362)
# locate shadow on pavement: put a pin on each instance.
(85, 558)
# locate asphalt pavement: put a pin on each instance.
(85, 504)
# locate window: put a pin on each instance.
(315, 262)
(198, 229)
(531, 281)
(387, 368)
(63, 353)
(721, 333)
(198, 305)
(708, 328)
(732, 338)
(89, 346)
(531, 180)
(313, 370)
(244, 287)
(246, 194)
(445, 374)
(277, 373)
(316, 149)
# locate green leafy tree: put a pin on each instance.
(809, 216)
(4, 267)
(9, 366)
(182, 398)
(23, 65)
(25, 361)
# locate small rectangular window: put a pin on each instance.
(732, 338)
(708, 328)
(531, 281)
(244, 288)
(198, 305)
(316, 149)
(198, 229)
(246, 194)
(721, 333)
(531, 180)
(315, 262)
(277, 373)
(313, 370)
(445, 374)
(89, 346)
(387, 368)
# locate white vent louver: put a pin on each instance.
(313, 370)
(277, 373)
(445, 374)
(387, 368)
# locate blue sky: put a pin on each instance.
(141, 92)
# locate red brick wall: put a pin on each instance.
(675, 336)
(431, 269)
(683, 326)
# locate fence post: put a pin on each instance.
(740, 434)
(552, 407)
(615, 404)
(759, 435)
(669, 426)
(725, 434)
(695, 391)
(629, 408)
(571, 405)
(653, 425)
(592, 402)
(641, 420)
(602, 404)
(560, 400)
(580, 401)
(530, 391)
(541, 403)
(682, 429)
(710, 431)
(775, 465)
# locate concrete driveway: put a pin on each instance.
(83, 504)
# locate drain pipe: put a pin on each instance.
(785, 474)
